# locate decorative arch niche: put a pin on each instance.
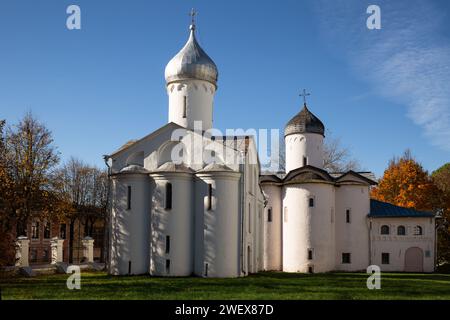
(165, 153)
(136, 158)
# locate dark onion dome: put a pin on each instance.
(191, 63)
(304, 122)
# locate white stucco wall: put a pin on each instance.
(199, 97)
(217, 230)
(272, 230)
(130, 229)
(308, 228)
(396, 245)
(352, 237)
(309, 145)
(177, 223)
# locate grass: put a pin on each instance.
(266, 285)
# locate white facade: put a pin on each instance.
(304, 149)
(187, 204)
(191, 101)
(412, 252)
(309, 227)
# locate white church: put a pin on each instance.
(188, 203)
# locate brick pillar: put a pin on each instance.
(22, 249)
(57, 249)
(88, 249)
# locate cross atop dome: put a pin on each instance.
(304, 95)
(192, 14)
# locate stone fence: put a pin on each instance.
(56, 245)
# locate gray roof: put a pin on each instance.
(191, 63)
(309, 173)
(379, 209)
(215, 167)
(366, 174)
(172, 167)
(134, 168)
(304, 122)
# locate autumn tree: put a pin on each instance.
(405, 183)
(27, 160)
(6, 248)
(441, 178)
(31, 158)
(85, 189)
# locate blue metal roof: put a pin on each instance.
(380, 209)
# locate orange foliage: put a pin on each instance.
(405, 183)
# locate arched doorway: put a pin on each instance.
(414, 260)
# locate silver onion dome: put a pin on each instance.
(191, 63)
(304, 122)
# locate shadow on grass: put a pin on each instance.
(265, 285)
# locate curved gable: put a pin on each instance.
(308, 174)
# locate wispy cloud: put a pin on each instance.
(407, 61)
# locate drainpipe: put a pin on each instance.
(108, 226)
(242, 170)
(370, 241)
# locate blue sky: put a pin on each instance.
(379, 91)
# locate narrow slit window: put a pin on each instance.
(184, 107)
(249, 218)
(168, 196)
(385, 258)
(129, 198)
(311, 202)
(209, 207)
(167, 244)
(347, 215)
(168, 266)
(305, 161)
(310, 254)
(269, 215)
(206, 269)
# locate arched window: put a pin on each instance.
(385, 229)
(401, 230)
(418, 231)
(168, 196)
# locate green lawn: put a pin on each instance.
(267, 285)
